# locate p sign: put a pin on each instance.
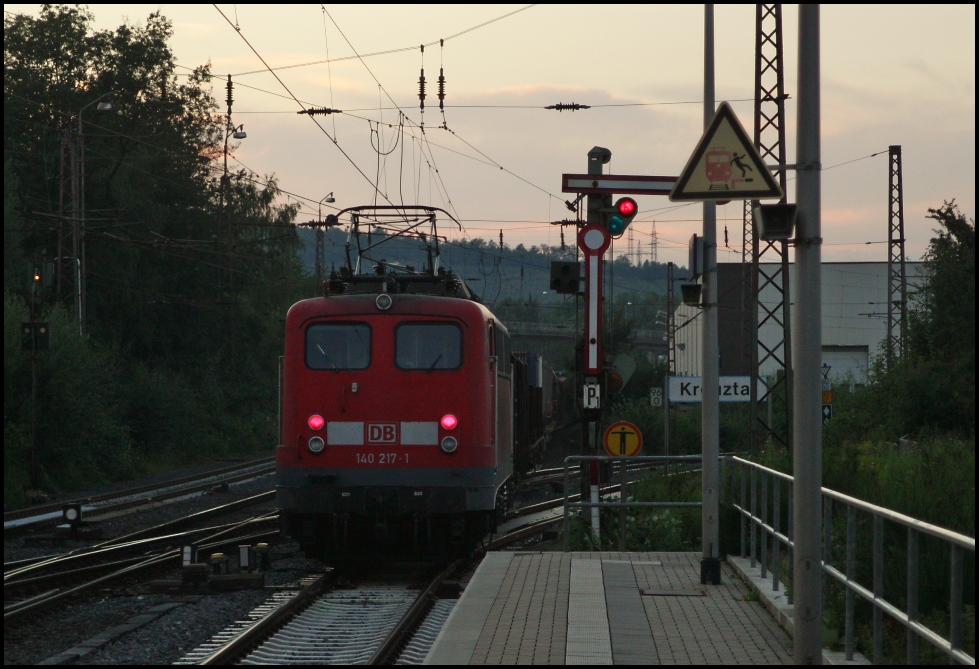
(591, 398)
(382, 433)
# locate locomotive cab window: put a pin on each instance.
(338, 346)
(428, 346)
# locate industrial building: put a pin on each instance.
(854, 320)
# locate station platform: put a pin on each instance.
(606, 608)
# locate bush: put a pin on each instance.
(80, 436)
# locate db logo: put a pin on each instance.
(382, 433)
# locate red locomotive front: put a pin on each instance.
(396, 417)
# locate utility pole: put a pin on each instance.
(225, 196)
(769, 139)
(710, 565)
(653, 244)
(897, 286)
(670, 363)
(68, 280)
(807, 454)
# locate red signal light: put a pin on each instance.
(316, 422)
(627, 206)
(449, 422)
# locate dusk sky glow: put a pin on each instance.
(890, 75)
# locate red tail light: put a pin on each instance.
(316, 422)
(449, 422)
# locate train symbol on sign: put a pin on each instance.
(719, 168)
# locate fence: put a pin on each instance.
(755, 518)
(623, 491)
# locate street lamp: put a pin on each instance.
(329, 199)
(236, 133)
(320, 241)
(78, 234)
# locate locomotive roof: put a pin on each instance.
(441, 284)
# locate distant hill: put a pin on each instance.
(515, 276)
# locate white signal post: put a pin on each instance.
(593, 240)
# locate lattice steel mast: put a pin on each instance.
(897, 288)
(769, 137)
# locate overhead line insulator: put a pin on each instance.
(570, 106)
(441, 88)
(312, 111)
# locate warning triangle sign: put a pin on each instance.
(725, 165)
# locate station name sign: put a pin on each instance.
(731, 389)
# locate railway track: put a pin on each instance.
(30, 585)
(101, 507)
(386, 618)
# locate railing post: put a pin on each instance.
(851, 568)
(878, 618)
(567, 520)
(912, 594)
(754, 514)
(791, 550)
(761, 526)
(744, 495)
(623, 496)
(827, 543)
(776, 543)
(955, 601)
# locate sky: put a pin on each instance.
(891, 75)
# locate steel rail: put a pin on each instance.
(16, 583)
(254, 635)
(27, 512)
(401, 634)
(129, 540)
(35, 604)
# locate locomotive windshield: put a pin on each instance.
(337, 346)
(428, 346)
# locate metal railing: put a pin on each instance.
(623, 491)
(754, 514)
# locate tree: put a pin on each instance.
(943, 318)
(181, 268)
(942, 321)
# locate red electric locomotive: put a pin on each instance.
(397, 406)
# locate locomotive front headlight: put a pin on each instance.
(450, 444)
(316, 445)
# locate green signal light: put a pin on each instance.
(616, 225)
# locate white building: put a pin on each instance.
(854, 320)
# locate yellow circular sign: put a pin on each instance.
(622, 438)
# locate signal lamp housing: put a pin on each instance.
(775, 221)
(691, 294)
(624, 210)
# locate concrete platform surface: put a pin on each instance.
(606, 608)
